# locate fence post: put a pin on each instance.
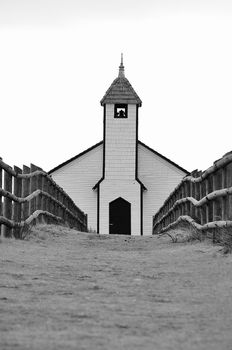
(177, 208)
(224, 185)
(57, 207)
(39, 187)
(33, 187)
(25, 193)
(0, 196)
(191, 195)
(44, 203)
(197, 197)
(201, 195)
(67, 213)
(188, 205)
(229, 184)
(215, 202)
(48, 200)
(51, 204)
(207, 205)
(182, 196)
(86, 222)
(60, 210)
(17, 206)
(64, 210)
(185, 195)
(7, 204)
(218, 203)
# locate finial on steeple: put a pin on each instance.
(121, 73)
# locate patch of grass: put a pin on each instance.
(44, 232)
(222, 236)
(187, 233)
(184, 232)
(91, 230)
(179, 235)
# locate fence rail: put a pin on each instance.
(30, 195)
(204, 199)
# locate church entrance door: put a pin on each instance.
(120, 217)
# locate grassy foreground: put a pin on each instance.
(66, 290)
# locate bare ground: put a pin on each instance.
(67, 290)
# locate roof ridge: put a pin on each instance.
(101, 142)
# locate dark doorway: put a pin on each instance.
(120, 217)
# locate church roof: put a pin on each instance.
(101, 143)
(121, 90)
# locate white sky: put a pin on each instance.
(58, 57)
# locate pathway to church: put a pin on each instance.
(63, 290)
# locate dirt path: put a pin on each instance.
(83, 291)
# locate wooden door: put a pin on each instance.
(120, 217)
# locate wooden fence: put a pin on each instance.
(30, 195)
(203, 199)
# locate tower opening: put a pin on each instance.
(120, 217)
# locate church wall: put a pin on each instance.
(120, 144)
(78, 178)
(128, 190)
(160, 178)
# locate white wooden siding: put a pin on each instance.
(160, 178)
(78, 178)
(120, 143)
(128, 190)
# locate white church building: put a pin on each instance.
(119, 182)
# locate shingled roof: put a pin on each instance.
(121, 90)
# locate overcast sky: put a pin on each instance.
(58, 57)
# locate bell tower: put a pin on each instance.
(119, 190)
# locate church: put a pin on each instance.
(120, 182)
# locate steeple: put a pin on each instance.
(121, 91)
(121, 73)
(119, 190)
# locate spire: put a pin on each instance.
(121, 91)
(121, 73)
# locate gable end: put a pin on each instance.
(163, 157)
(75, 157)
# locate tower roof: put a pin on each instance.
(121, 90)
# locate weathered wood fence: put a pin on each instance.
(30, 195)
(203, 199)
